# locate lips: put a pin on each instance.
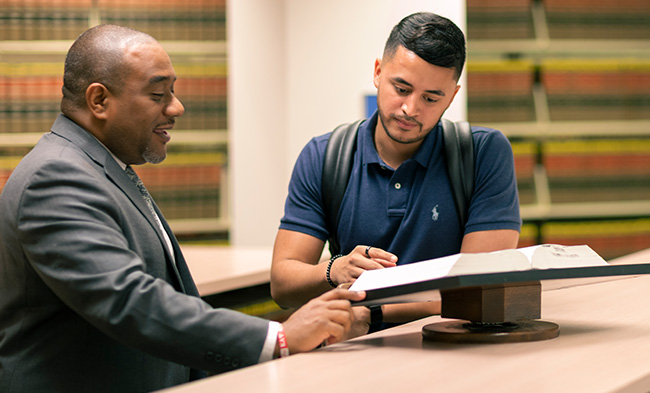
(162, 132)
(406, 125)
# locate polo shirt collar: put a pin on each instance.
(369, 152)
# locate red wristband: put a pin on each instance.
(282, 341)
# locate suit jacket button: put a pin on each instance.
(209, 355)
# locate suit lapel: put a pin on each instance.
(99, 154)
(121, 179)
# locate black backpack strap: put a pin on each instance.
(337, 165)
(459, 148)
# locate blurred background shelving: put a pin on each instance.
(568, 81)
(34, 37)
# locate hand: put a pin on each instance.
(348, 268)
(361, 323)
(327, 318)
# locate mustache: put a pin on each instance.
(406, 118)
(170, 122)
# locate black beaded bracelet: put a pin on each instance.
(329, 267)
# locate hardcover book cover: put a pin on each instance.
(422, 281)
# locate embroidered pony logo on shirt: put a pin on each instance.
(435, 214)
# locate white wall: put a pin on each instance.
(257, 119)
(297, 68)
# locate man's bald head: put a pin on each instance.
(97, 56)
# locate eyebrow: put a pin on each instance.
(158, 79)
(436, 92)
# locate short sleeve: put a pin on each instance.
(495, 203)
(303, 210)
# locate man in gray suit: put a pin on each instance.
(95, 295)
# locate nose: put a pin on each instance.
(409, 106)
(175, 108)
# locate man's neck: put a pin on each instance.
(391, 152)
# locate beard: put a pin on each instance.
(395, 136)
(152, 157)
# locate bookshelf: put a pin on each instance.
(568, 81)
(190, 186)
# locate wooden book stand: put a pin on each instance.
(492, 314)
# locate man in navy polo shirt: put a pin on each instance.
(398, 207)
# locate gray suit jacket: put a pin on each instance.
(90, 300)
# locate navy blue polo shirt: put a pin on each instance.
(409, 211)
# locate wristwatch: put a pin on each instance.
(376, 315)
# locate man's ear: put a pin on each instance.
(377, 72)
(97, 96)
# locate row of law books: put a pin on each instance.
(575, 89)
(598, 19)
(500, 90)
(610, 238)
(203, 90)
(564, 19)
(606, 89)
(526, 153)
(188, 184)
(66, 19)
(585, 169)
(43, 20)
(10, 156)
(199, 20)
(598, 169)
(30, 95)
(499, 19)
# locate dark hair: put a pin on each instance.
(432, 37)
(97, 56)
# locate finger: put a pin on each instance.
(379, 254)
(350, 295)
(336, 306)
(327, 323)
(337, 333)
(368, 251)
(385, 263)
(351, 268)
(343, 294)
(339, 322)
(345, 270)
(345, 285)
(339, 316)
(365, 263)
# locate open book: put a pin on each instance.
(422, 281)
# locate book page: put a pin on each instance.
(405, 274)
(546, 256)
(493, 262)
(553, 256)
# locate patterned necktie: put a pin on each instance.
(143, 190)
(149, 201)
